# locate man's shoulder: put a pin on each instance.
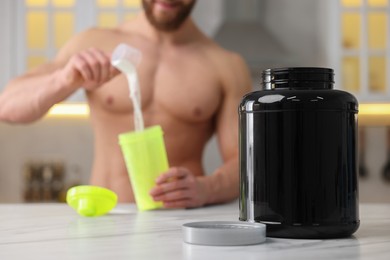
(99, 32)
(230, 66)
(222, 55)
(224, 59)
(94, 36)
(91, 38)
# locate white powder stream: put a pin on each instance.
(125, 58)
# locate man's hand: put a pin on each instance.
(89, 69)
(179, 188)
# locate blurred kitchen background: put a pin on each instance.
(38, 162)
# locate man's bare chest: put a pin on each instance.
(187, 90)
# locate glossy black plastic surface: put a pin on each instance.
(298, 160)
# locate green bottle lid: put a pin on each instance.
(91, 201)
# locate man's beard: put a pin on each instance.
(169, 24)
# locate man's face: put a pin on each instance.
(167, 15)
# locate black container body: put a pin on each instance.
(298, 162)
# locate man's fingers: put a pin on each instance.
(168, 187)
(83, 68)
(114, 72)
(105, 65)
(89, 69)
(94, 64)
(173, 196)
(172, 173)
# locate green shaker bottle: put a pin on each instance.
(146, 158)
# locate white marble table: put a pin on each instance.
(55, 231)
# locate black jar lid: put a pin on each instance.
(298, 77)
(298, 88)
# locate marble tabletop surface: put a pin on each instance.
(55, 231)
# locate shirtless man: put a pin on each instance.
(189, 85)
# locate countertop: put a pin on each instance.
(55, 231)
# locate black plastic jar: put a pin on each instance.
(298, 162)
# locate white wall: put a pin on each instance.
(208, 15)
(297, 26)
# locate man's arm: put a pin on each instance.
(223, 184)
(178, 187)
(28, 97)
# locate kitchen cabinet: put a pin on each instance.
(34, 30)
(351, 36)
(364, 48)
(40, 28)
